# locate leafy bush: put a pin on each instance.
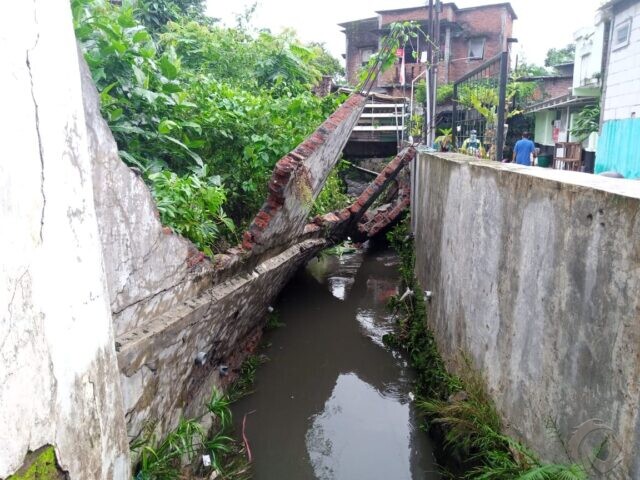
(190, 94)
(193, 205)
(444, 93)
(333, 195)
(586, 122)
(178, 455)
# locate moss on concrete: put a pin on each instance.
(40, 465)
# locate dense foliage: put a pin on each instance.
(557, 56)
(211, 107)
(586, 122)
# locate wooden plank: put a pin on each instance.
(385, 105)
(381, 128)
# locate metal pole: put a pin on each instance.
(434, 70)
(454, 111)
(427, 111)
(411, 99)
(504, 71)
(426, 124)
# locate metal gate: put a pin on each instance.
(479, 108)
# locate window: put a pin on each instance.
(621, 34)
(584, 69)
(366, 53)
(476, 48)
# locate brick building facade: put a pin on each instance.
(468, 37)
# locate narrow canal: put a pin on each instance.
(333, 402)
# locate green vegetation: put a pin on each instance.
(333, 195)
(193, 204)
(41, 465)
(399, 34)
(445, 139)
(458, 407)
(557, 56)
(247, 377)
(444, 93)
(274, 322)
(211, 107)
(586, 122)
(179, 455)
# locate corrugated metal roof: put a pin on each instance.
(558, 102)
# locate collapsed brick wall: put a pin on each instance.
(171, 305)
(298, 178)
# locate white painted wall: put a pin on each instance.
(59, 382)
(588, 58)
(622, 91)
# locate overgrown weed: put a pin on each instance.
(243, 386)
(180, 454)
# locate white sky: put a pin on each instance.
(541, 24)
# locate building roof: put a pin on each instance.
(535, 78)
(558, 102)
(456, 8)
(615, 6)
(612, 3)
(370, 19)
(507, 5)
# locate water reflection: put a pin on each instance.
(340, 286)
(332, 402)
(350, 441)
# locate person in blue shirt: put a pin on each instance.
(523, 150)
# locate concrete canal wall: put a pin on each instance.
(535, 274)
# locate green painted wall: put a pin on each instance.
(544, 128)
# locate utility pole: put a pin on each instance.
(427, 107)
(434, 70)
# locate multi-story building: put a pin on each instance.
(468, 37)
(618, 147)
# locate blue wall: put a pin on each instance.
(619, 148)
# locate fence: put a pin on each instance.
(479, 105)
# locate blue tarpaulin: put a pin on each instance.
(619, 148)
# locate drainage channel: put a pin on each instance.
(333, 402)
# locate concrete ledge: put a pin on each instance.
(567, 179)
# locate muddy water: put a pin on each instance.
(333, 402)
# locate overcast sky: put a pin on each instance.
(541, 24)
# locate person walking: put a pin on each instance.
(524, 150)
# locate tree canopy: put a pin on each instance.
(557, 56)
(203, 110)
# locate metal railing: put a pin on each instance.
(487, 83)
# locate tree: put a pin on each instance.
(556, 56)
(326, 63)
(530, 70)
(155, 14)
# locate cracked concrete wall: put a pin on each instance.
(149, 269)
(535, 273)
(161, 379)
(58, 372)
(168, 301)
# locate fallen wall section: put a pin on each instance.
(535, 273)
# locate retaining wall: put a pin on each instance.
(59, 383)
(535, 274)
